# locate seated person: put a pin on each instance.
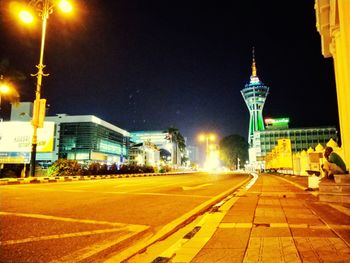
(333, 164)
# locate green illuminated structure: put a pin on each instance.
(254, 95)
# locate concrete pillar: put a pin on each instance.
(333, 24)
(343, 54)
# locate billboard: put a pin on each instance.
(14, 157)
(277, 123)
(16, 136)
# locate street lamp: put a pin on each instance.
(44, 9)
(4, 89)
(207, 138)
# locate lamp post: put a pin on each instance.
(44, 8)
(207, 138)
(4, 89)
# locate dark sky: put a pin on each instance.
(147, 65)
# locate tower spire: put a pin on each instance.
(254, 95)
(253, 64)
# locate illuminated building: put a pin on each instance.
(145, 153)
(254, 95)
(161, 140)
(301, 138)
(156, 137)
(276, 123)
(193, 154)
(86, 138)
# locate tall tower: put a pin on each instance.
(254, 95)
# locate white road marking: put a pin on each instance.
(119, 192)
(78, 234)
(185, 188)
(178, 195)
(86, 252)
(134, 229)
(66, 219)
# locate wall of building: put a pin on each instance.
(333, 24)
(87, 138)
(301, 139)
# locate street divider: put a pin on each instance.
(54, 179)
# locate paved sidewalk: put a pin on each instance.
(276, 221)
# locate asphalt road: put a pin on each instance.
(87, 220)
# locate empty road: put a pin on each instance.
(88, 220)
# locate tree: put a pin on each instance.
(175, 137)
(232, 148)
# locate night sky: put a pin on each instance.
(149, 65)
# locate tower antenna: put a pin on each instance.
(253, 63)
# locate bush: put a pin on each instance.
(65, 168)
(165, 169)
(134, 169)
(94, 168)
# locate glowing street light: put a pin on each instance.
(207, 138)
(44, 9)
(7, 89)
(4, 88)
(26, 16)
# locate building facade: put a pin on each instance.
(333, 24)
(87, 138)
(301, 139)
(144, 154)
(162, 141)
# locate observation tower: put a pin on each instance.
(254, 95)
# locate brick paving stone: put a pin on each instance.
(270, 232)
(210, 255)
(234, 238)
(271, 249)
(316, 249)
(269, 201)
(238, 218)
(271, 219)
(269, 211)
(310, 221)
(286, 224)
(310, 232)
(291, 203)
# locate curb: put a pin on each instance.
(54, 179)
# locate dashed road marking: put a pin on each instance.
(185, 188)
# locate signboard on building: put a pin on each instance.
(277, 123)
(14, 157)
(17, 137)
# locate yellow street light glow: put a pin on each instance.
(4, 88)
(212, 137)
(65, 6)
(201, 137)
(26, 16)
